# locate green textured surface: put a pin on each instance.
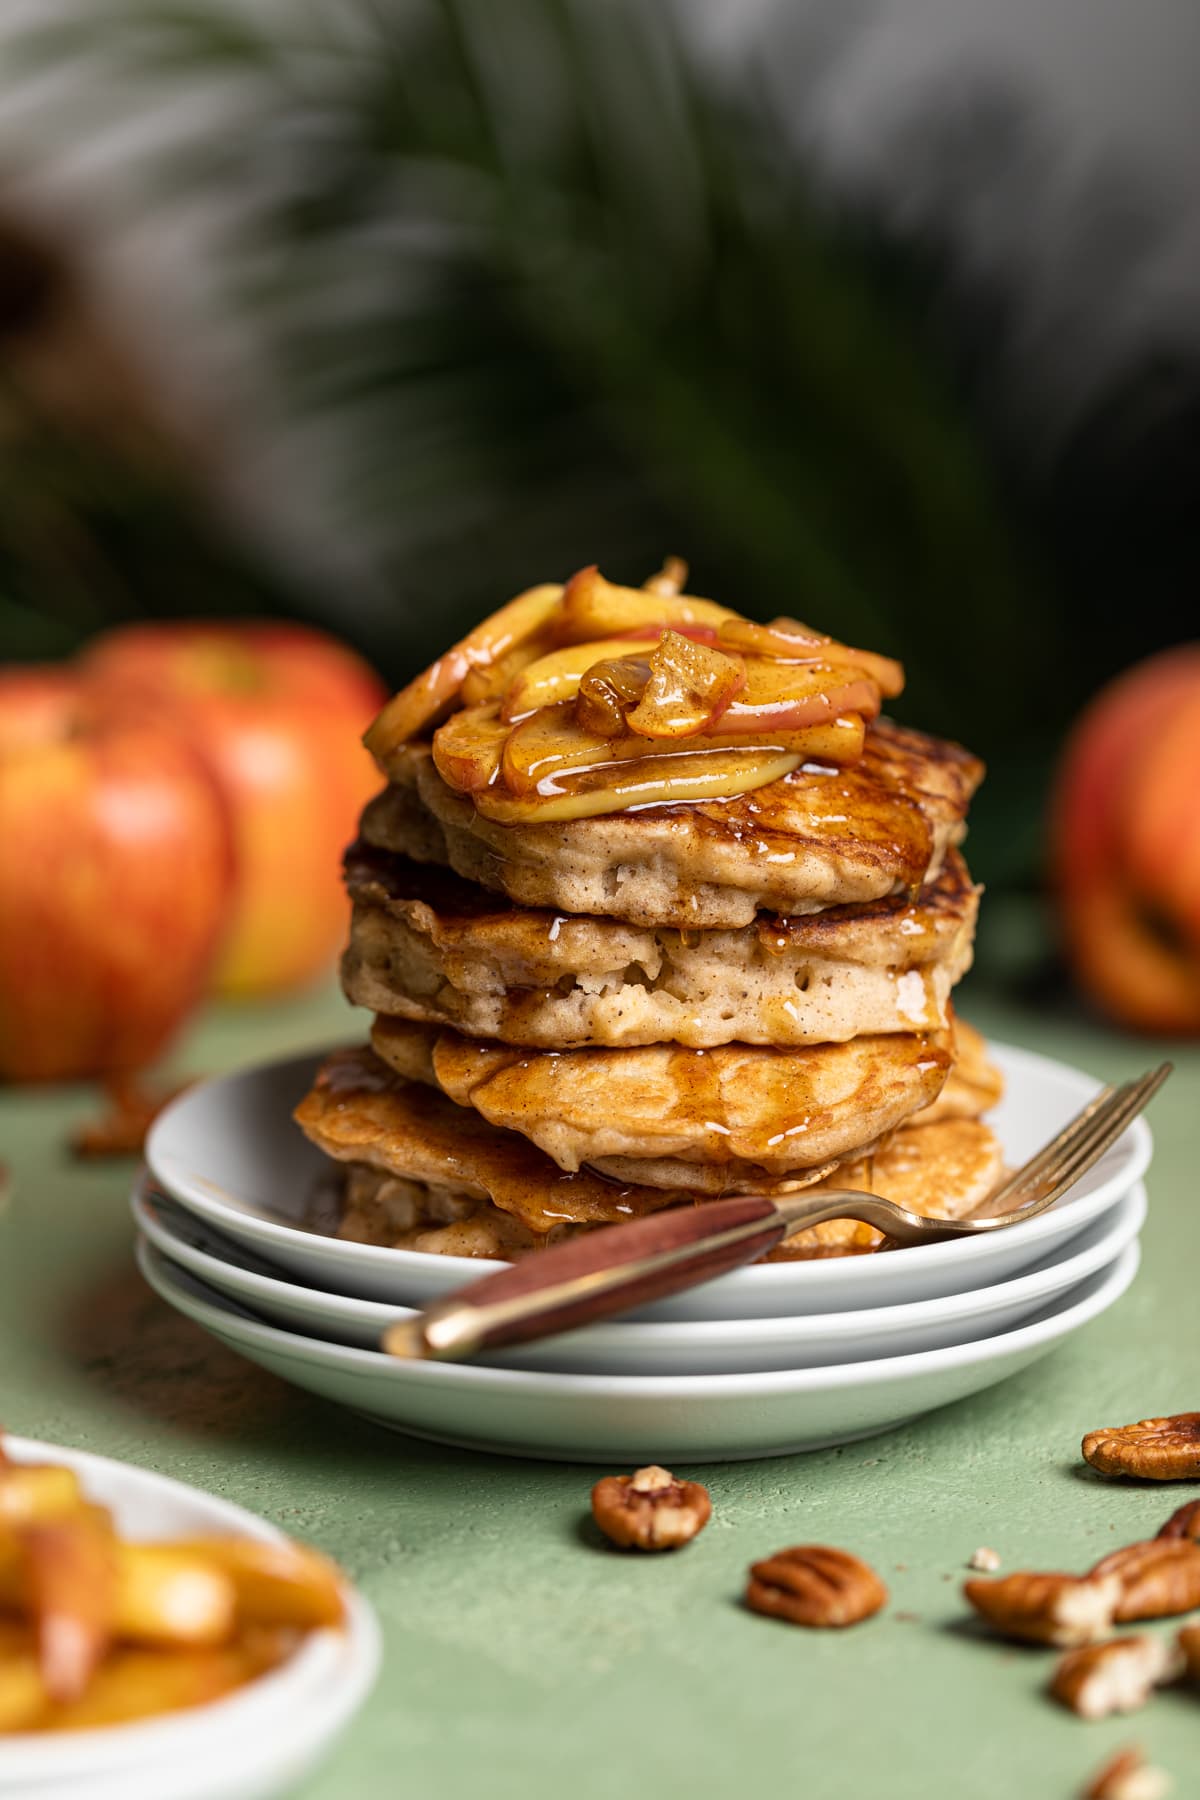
(523, 1659)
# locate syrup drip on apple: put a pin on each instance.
(594, 698)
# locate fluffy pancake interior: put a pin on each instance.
(426, 945)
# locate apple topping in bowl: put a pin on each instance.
(594, 698)
(97, 1629)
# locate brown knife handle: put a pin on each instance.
(593, 1276)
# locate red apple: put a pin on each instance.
(1126, 845)
(115, 880)
(278, 713)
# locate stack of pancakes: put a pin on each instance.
(582, 1021)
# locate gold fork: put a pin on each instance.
(611, 1271)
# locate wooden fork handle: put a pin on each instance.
(593, 1277)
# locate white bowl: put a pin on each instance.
(230, 1152)
(687, 1347)
(250, 1733)
(630, 1419)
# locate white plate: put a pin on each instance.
(630, 1419)
(230, 1151)
(689, 1347)
(250, 1733)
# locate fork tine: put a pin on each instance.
(1041, 1159)
(1089, 1152)
(1103, 1129)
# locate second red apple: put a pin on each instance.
(277, 712)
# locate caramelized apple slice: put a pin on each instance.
(552, 744)
(468, 747)
(559, 674)
(690, 687)
(670, 579)
(608, 691)
(789, 696)
(70, 1575)
(595, 608)
(483, 687)
(556, 677)
(418, 705)
(656, 780)
(787, 640)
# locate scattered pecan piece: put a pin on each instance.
(1118, 1676)
(1189, 1644)
(1064, 1610)
(650, 1509)
(1158, 1579)
(814, 1584)
(1128, 1776)
(985, 1559)
(1184, 1522)
(1154, 1449)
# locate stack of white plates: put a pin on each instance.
(256, 1742)
(770, 1359)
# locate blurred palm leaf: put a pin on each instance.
(558, 295)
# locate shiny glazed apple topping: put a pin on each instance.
(593, 698)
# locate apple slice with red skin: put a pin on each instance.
(787, 640)
(594, 608)
(416, 707)
(791, 696)
(70, 1582)
(552, 744)
(467, 749)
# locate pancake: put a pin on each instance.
(426, 945)
(402, 1214)
(974, 1084)
(740, 1112)
(817, 838)
(361, 1111)
(948, 1168)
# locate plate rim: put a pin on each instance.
(798, 1328)
(819, 1275)
(1113, 1282)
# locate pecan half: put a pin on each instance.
(814, 1584)
(1154, 1449)
(1065, 1610)
(1189, 1644)
(1158, 1579)
(650, 1509)
(1128, 1776)
(1184, 1522)
(1118, 1676)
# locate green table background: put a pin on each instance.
(523, 1659)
